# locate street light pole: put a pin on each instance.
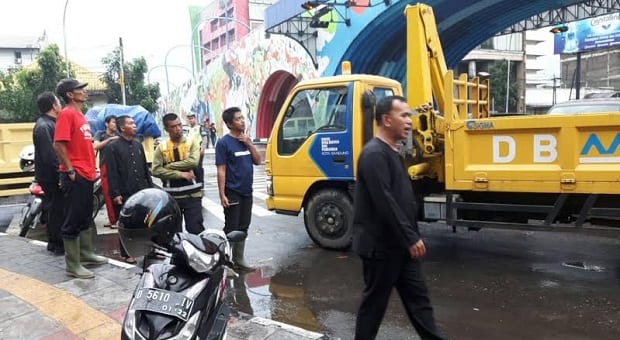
(166, 61)
(148, 75)
(64, 36)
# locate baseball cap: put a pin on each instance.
(68, 85)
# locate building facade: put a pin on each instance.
(16, 52)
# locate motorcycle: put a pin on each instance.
(181, 297)
(31, 213)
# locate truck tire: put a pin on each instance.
(328, 217)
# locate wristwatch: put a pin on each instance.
(70, 172)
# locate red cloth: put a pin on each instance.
(109, 206)
(72, 127)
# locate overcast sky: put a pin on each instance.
(149, 28)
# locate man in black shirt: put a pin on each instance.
(100, 142)
(46, 169)
(385, 230)
(128, 171)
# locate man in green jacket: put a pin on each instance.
(176, 163)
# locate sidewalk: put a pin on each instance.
(38, 301)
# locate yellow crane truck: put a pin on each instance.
(542, 172)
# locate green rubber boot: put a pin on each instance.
(72, 260)
(238, 249)
(87, 254)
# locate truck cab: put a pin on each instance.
(311, 155)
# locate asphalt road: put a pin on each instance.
(489, 284)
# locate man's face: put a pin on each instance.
(78, 95)
(191, 120)
(398, 122)
(238, 123)
(111, 125)
(174, 129)
(129, 129)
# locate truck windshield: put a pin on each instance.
(311, 111)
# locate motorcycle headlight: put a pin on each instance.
(197, 260)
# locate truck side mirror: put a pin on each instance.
(368, 111)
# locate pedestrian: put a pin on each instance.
(73, 146)
(128, 171)
(194, 133)
(175, 162)
(212, 134)
(100, 143)
(206, 133)
(385, 229)
(46, 169)
(234, 157)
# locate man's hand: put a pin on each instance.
(417, 250)
(245, 139)
(118, 200)
(188, 175)
(224, 201)
(113, 138)
(71, 177)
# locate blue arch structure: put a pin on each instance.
(377, 36)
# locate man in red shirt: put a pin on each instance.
(73, 146)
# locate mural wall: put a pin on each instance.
(237, 77)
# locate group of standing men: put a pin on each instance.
(65, 152)
(65, 167)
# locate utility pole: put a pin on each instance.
(122, 71)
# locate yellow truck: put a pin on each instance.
(542, 172)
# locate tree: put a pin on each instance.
(498, 71)
(19, 88)
(136, 91)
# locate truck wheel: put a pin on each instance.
(328, 217)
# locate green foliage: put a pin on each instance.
(19, 88)
(498, 71)
(136, 91)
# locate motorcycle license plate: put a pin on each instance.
(163, 302)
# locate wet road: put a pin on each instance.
(484, 285)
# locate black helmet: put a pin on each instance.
(149, 217)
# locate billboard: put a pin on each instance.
(589, 34)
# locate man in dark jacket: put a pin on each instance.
(128, 171)
(385, 230)
(46, 168)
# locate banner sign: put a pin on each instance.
(589, 34)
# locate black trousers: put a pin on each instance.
(53, 205)
(78, 211)
(380, 277)
(238, 215)
(191, 208)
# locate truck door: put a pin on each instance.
(313, 142)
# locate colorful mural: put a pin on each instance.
(237, 77)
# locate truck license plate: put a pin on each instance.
(163, 302)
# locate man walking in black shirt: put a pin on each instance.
(385, 230)
(128, 171)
